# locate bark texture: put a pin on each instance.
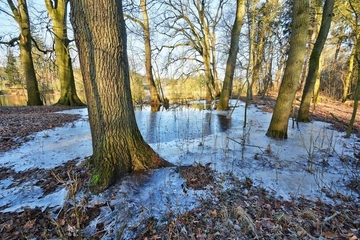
(308, 93)
(21, 16)
(290, 82)
(154, 95)
(58, 14)
(118, 147)
(231, 61)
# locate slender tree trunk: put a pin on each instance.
(21, 16)
(349, 75)
(206, 52)
(58, 15)
(250, 68)
(356, 96)
(213, 65)
(314, 26)
(231, 61)
(154, 95)
(267, 82)
(356, 30)
(304, 110)
(118, 147)
(317, 82)
(280, 118)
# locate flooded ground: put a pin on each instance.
(309, 164)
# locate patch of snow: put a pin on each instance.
(303, 165)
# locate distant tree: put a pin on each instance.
(355, 10)
(349, 75)
(145, 26)
(118, 147)
(231, 61)
(21, 15)
(11, 69)
(58, 14)
(308, 93)
(193, 25)
(290, 82)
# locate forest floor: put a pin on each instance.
(246, 212)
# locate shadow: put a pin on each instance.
(224, 122)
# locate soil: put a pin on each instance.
(244, 212)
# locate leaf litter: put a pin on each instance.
(219, 203)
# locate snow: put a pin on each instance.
(302, 165)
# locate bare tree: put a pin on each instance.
(231, 61)
(145, 26)
(193, 25)
(21, 15)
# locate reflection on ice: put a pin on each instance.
(184, 136)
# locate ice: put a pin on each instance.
(303, 165)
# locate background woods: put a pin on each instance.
(188, 44)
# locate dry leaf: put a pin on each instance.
(329, 235)
(214, 213)
(29, 224)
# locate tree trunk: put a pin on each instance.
(280, 118)
(231, 61)
(118, 147)
(349, 74)
(357, 56)
(154, 95)
(21, 16)
(356, 105)
(317, 82)
(303, 115)
(58, 15)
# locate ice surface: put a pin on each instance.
(300, 166)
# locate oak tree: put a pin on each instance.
(118, 147)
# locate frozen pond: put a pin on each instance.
(304, 165)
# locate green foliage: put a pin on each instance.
(11, 69)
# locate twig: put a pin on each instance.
(331, 217)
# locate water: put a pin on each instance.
(21, 99)
(182, 122)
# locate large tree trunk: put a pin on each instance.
(58, 15)
(308, 93)
(290, 82)
(231, 61)
(22, 18)
(118, 147)
(154, 95)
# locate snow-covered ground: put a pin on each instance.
(307, 164)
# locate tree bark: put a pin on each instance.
(231, 61)
(154, 95)
(290, 82)
(355, 9)
(58, 15)
(308, 93)
(21, 16)
(118, 147)
(349, 75)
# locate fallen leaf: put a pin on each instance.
(29, 224)
(328, 235)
